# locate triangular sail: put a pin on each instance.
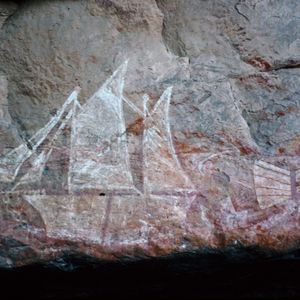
(162, 170)
(99, 152)
(34, 175)
(12, 162)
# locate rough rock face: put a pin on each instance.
(211, 162)
(7, 8)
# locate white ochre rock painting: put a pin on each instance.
(99, 175)
(98, 162)
(275, 185)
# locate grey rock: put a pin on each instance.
(9, 134)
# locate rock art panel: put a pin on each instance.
(99, 173)
(184, 132)
(93, 206)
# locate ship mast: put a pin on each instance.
(145, 184)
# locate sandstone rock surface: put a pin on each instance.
(232, 127)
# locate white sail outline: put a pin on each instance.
(74, 113)
(165, 99)
(104, 93)
(166, 96)
(35, 141)
(39, 163)
(146, 114)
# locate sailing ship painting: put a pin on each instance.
(99, 164)
(76, 171)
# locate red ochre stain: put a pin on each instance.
(280, 113)
(186, 148)
(92, 59)
(251, 81)
(292, 109)
(260, 63)
(281, 150)
(136, 127)
(198, 134)
(244, 149)
(166, 153)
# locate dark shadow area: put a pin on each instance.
(235, 273)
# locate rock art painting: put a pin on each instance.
(275, 185)
(99, 172)
(142, 128)
(97, 201)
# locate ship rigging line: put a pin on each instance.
(133, 106)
